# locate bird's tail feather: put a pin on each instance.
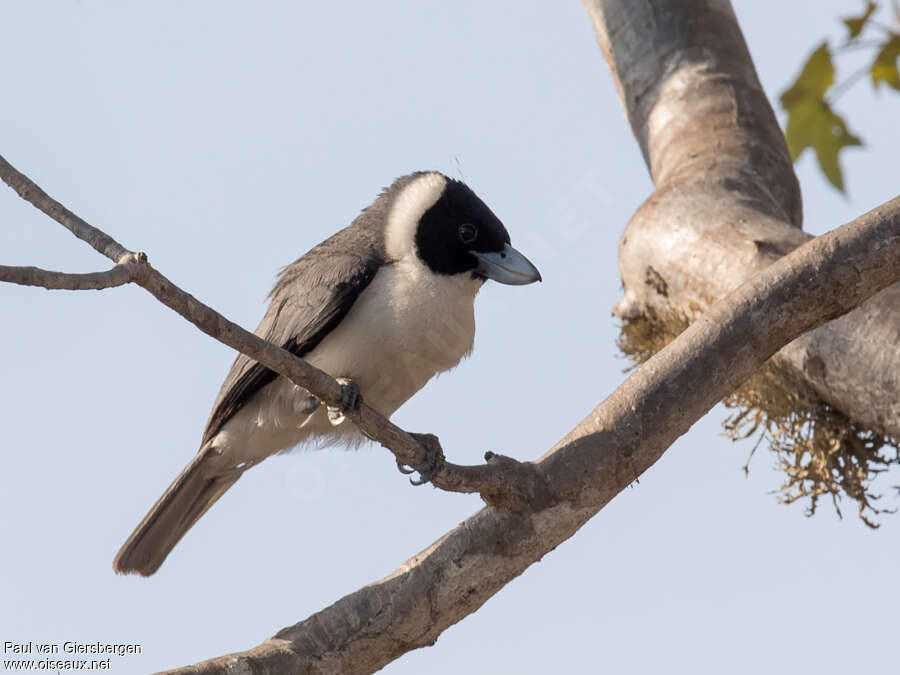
(181, 505)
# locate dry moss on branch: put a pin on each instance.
(818, 448)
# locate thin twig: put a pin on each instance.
(30, 192)
(842, 87)
(502, 482)
(66, 281)
(857, 44)
(886, 28)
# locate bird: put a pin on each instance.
(383, 305)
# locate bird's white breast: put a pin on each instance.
(406, 326)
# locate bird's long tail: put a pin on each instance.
(182, 504)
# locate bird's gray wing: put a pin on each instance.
(312, 295)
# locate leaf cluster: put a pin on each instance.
(812, 123)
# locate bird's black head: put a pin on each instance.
(451, 231)
(458, 224)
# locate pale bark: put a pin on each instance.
(599, 458)
(726, 203)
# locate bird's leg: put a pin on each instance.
(431, 465)
(350, 400)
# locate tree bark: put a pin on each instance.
(727, 203)
(606, 452)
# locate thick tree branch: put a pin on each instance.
(693, 99)
(92, 281)
(503, 481)
(726, 203)
(604, 454)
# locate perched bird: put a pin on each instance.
(386, 303)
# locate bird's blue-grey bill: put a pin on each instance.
(507, 266)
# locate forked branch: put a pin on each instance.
(504, 483)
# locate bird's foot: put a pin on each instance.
(432, 464)
(350, 400)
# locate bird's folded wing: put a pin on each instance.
(312, 295)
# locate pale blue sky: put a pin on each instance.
(225, 139)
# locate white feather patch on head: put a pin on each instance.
(408, 208)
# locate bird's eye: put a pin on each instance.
(468, 233)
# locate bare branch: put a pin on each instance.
(30, 192)
(727, 203)
(695, 105)
(507, 484)
(604, 454)
(65, 281)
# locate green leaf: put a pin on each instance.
(884, 68)
(813, 124)
(811, 121)
(855, 24)
(814, 80)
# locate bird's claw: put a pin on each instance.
(350, 400)
(406, 470)
(432, 464)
